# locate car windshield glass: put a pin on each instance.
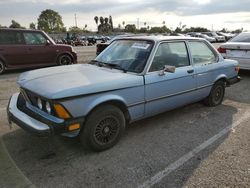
(243, 37)
(126, 55)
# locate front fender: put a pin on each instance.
(82, 106)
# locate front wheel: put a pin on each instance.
(65, 59)
(2, 67)
(216, 95)
(103, 128)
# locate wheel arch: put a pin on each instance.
(64, 53)
(119, 103)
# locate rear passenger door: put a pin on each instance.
(204, 60)
(39, 52)
(12, 48)
(164, 92)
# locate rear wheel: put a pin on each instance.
(2, 67)
(103, 128)
(65, 59)
(216, 95)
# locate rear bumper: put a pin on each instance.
(233, 80)
(37, 124)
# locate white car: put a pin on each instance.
(238, 48)
(214, 35)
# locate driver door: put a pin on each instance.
(170, 90)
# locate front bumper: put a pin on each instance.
(38, 124)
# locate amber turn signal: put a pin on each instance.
(61, 112)
(74, 127)
(237, 69)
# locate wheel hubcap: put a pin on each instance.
(65, 60)
(106, 131)
(218, 94)
(1, 67)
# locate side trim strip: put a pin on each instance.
(167, 96)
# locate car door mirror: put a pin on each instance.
(48, 42)
(167, 68)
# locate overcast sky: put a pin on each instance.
(214, 14)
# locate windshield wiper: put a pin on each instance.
(110, 65)
(116, 66)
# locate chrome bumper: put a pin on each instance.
(23, 120)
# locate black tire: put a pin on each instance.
(64, 59)
(216, 95)
(2, 67)
(103, 128)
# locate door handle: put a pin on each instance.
(190, 71)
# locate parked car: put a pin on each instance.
(134, 78)
(216, 36)
(227, 36)
(21, 48)
(199, 35)
(238, 48)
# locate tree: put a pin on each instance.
(163, 23)
(145, 23)
(111, 22)
(32, 26)
(101, 20)
(15, 24)
(106, 20)
(75, 29)
(85, 27)
(123, 23)
(96, 20)
(50, 21)
(130, 28)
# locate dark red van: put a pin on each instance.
(21, 48)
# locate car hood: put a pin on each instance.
(74, 80)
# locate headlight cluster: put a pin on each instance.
(44, 105)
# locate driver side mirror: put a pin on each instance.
(167, 68)
(47, 43)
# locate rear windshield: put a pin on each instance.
(243, 37)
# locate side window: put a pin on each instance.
(171, 53)
(11, 37)
(34, 38)
(201, 53)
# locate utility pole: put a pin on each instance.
(75, 21)
(138, 23)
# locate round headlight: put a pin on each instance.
(39, 103)
(48, 107)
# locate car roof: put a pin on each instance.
(18, 29)
(160, 38)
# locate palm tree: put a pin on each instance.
(101, 20)
(96, 20)
(145, 23)
(85, 27)
(106, 20)
(163, 23)
(123, 23)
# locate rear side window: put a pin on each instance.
(201, 53)
(34, 38)
(11, 38)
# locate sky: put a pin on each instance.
(212, 14)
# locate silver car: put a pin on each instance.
(238, 49)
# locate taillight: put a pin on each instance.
(222, 50)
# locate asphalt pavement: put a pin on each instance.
(193, 146)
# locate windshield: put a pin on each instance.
(128, 55)
(243, 37)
